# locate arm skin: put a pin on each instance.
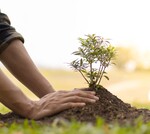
(19, 63)
(17, 60)
(12, 97)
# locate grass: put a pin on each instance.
(67, 80)
(75, 128)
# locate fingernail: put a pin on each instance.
(93, 101)
(93, 93)
(95, 97)
(82, 104)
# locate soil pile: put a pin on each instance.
(109, 107)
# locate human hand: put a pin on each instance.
(58, 101)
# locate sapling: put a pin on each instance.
(95, 55)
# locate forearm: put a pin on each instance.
(13, 98)
(17, 60)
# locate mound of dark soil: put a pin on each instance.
(109, 107)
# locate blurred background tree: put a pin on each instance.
(126, 58)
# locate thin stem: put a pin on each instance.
(83, 76)
(91, 78)
(99, 72)
(102, 72)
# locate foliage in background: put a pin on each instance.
(124, 57)
(95, 55)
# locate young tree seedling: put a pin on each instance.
(95, 55)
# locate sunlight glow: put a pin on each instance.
(51, 27)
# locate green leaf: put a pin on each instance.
(94, 51)
(106, 77)
(81, 62)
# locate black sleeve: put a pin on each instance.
(7, 32)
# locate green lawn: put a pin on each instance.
(74, 128)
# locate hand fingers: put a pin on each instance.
(71, 96)
(64, 94)
(68, 105)
(76, 99)
(71, 105)
(85, 94)
(84, 90)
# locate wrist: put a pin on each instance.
(25, 109)
(36, 112)
(33, 111)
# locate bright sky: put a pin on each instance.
(51, 27)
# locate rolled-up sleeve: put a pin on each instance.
(7, 32)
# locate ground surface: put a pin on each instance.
(109, 107)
